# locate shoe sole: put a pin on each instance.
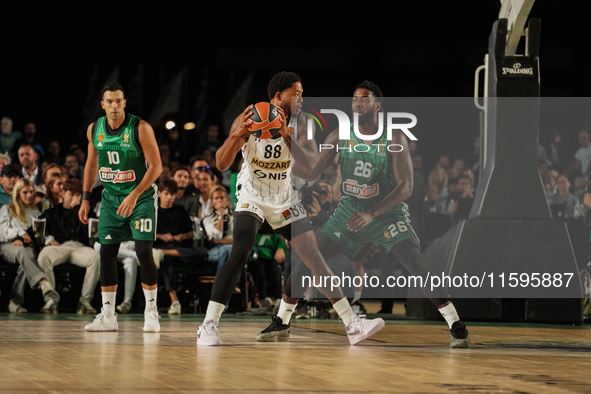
(275, 336)
(174, 313)
(155, 329)
(376, 328)
(203, 343)
(459, 343)
(94, 330)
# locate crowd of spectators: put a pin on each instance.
(194, 226)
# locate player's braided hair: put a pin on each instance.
(282, 81)
(372, 87)
(112, 87)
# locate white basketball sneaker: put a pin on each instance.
(362, 328)
(103, 323)
(151, 323)
(207, 334)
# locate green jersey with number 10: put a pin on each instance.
(121, 161)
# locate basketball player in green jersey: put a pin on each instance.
(374, 185)
(122, 148)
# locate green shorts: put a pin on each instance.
(141, 225)
(386, 229)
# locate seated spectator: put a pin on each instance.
(459, 165)
(166, 174)
(437, 191)
(205, 181)
(552, 178)
(66, 239)
(218, 226)
(211, 140)
(266, 271)
(463, 205)
(176, 145)
(7, 136)
(54, 193)
(443, 162)
(174, 238)
(4, 160)
(182, 176)
(566, 205)
(9, 175)
(51, 171)
(27, 157)
(579, 187)
(417, 165)
(75, 170)
(53, 153)
(28, 138)
(583, 155)
(197, 165)
(453, 187)
(16, 246)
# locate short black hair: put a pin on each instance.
(168, 185)
(282, 81)
(112, 87)
(373, 88)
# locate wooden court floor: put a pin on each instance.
(53, 354)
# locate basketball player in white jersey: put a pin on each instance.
(265, 192)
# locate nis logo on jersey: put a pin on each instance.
(353, 188)
(116, 176)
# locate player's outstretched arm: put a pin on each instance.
(152, 155)
(90, 171)
(239, 134)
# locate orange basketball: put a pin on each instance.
(265, 121)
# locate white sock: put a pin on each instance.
(285, 311)
(109, 302)
(343, 308)
(357, 295)
(450, 314)
(151, 297)
(214, 312)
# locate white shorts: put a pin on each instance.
(279, 210)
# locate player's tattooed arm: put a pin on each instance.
(239, 134)
(90, 171)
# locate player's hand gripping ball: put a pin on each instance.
(266, 122)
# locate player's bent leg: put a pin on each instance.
(408, 253)
(246, 226)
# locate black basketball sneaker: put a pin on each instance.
(276, 332)
(459, 335)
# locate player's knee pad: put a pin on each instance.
(108, 266)
(149, 273)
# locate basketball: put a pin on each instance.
(265, 121)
